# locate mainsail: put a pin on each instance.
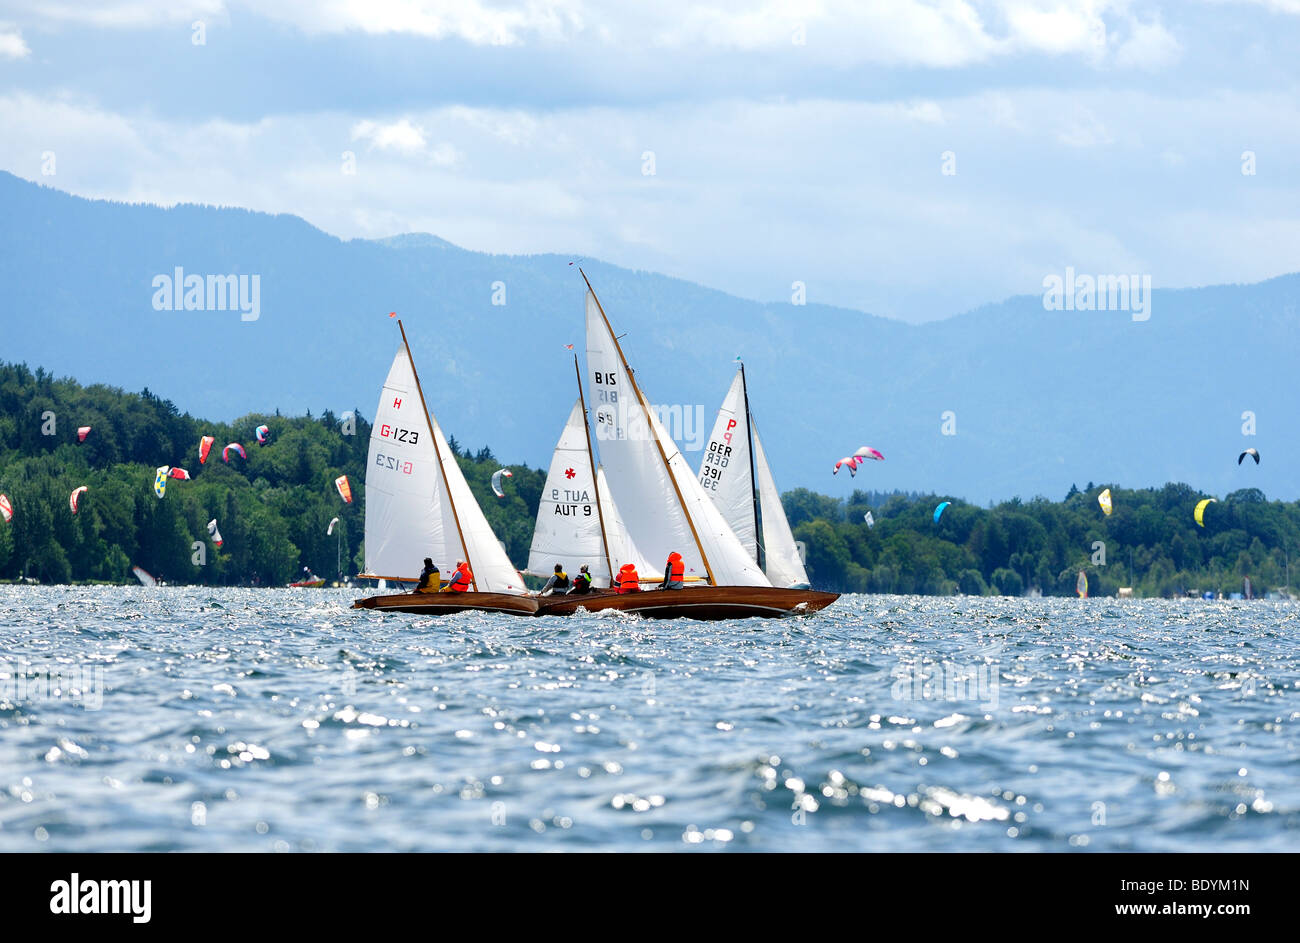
(663, 505)
(568, 528)
(736, 475)
(418, 503)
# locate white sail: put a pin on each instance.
(781, 560)
(725, 470)
(658, 494)
(622, 549)
(409, 514)
(568, 528)
(493, 571)
(736, 480)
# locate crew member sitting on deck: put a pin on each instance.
(559, 583)
(461, 579)
(628, 581)
(430, 578)
(581, 582)
(674, 573)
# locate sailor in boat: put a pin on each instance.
(430, 578)
(628, 581)
(461, 579)
(581, 583)
(674, 572)
(558, 583)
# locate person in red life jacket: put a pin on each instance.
(674, 572)
(628, 581)
(461, 579)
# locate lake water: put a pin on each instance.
(240, 719)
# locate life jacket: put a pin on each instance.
(582, 583)
(628, 581)
(561, 580)
(676, 567)
(461, 579)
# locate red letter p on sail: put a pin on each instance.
(726, 436)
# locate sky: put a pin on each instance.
(909, 158)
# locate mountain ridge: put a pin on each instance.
(1042, 399)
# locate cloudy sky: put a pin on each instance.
(742, 145)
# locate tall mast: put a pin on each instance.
(595, 478)
(759, 552)
(650, 426)
(438, 452)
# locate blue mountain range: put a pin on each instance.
(1007, 400)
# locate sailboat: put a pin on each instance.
(578, 523)
(419, 505)
(735, 474)
(665, 509)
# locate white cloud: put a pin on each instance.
(127, 14)
(748, 196)
(12, 45)
(836, 33)
(1149, 46)
(400, 136)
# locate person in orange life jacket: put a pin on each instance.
(559, 583)
(430, 578)
(581, 582)
(628, 581)
(461, 579)
(674, 572)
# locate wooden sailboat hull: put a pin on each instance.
(705, 602)
(437, 604)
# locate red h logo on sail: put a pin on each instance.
(397, 403)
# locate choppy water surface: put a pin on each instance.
(193, 719)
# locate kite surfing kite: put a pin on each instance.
(263, 435)
(239, 450)
(939, 510)
(496, 481)
(871, 521)
(868, 452)
(329, 531)
(1104, 500)
(82, 432)
(345, 489)
(179, 474)
(205, 446)
(75, 498)
(6, 509)
(160, 480)
(214, 533)
(850, 463)
(1251, 452)
(1199, 513)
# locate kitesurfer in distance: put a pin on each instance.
(558, 583)
(581, 583)
(628, 580)
(430, 578)
(461, 579)
(674, 572)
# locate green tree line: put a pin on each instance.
(1150, 542)
(274, 508)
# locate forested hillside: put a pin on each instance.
(274, 508)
